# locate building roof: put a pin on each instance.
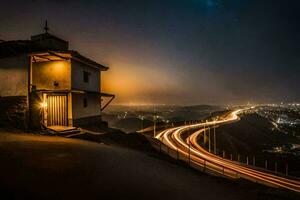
(46, 36)
(16, 47)
(77, 55)
(65, 55)
(45, 47)
(102, 94)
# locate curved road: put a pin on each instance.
(197, 155)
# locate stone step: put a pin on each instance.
(66, 132)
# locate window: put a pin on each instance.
(86, 76)
(85, 103)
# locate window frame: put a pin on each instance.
(85, 102)
(86, 76)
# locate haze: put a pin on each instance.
(176, 51)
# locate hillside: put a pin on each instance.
(254, 135)
(42, 167)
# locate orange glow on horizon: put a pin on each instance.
(137, 88)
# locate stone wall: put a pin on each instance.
(13, 112)
(14, 76)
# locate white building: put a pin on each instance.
(58, 87)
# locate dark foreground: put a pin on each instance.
(44, 167)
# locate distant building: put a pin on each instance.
(49, 85)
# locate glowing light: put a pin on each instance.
(43, 105)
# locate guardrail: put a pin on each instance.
(194, 162)
(206, 166)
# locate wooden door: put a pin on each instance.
(57, 114)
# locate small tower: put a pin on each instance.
(48, 41)
(46, 28)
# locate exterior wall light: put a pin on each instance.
(43, 105)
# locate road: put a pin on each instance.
(197, 155)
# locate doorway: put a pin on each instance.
(57, 110)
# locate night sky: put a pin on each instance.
(176, 51)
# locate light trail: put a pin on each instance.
(173, 138)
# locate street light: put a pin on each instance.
(189, 148)
(142, 118)
(154, 121)
(204, 135)
(209, 143)
(215, 145)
